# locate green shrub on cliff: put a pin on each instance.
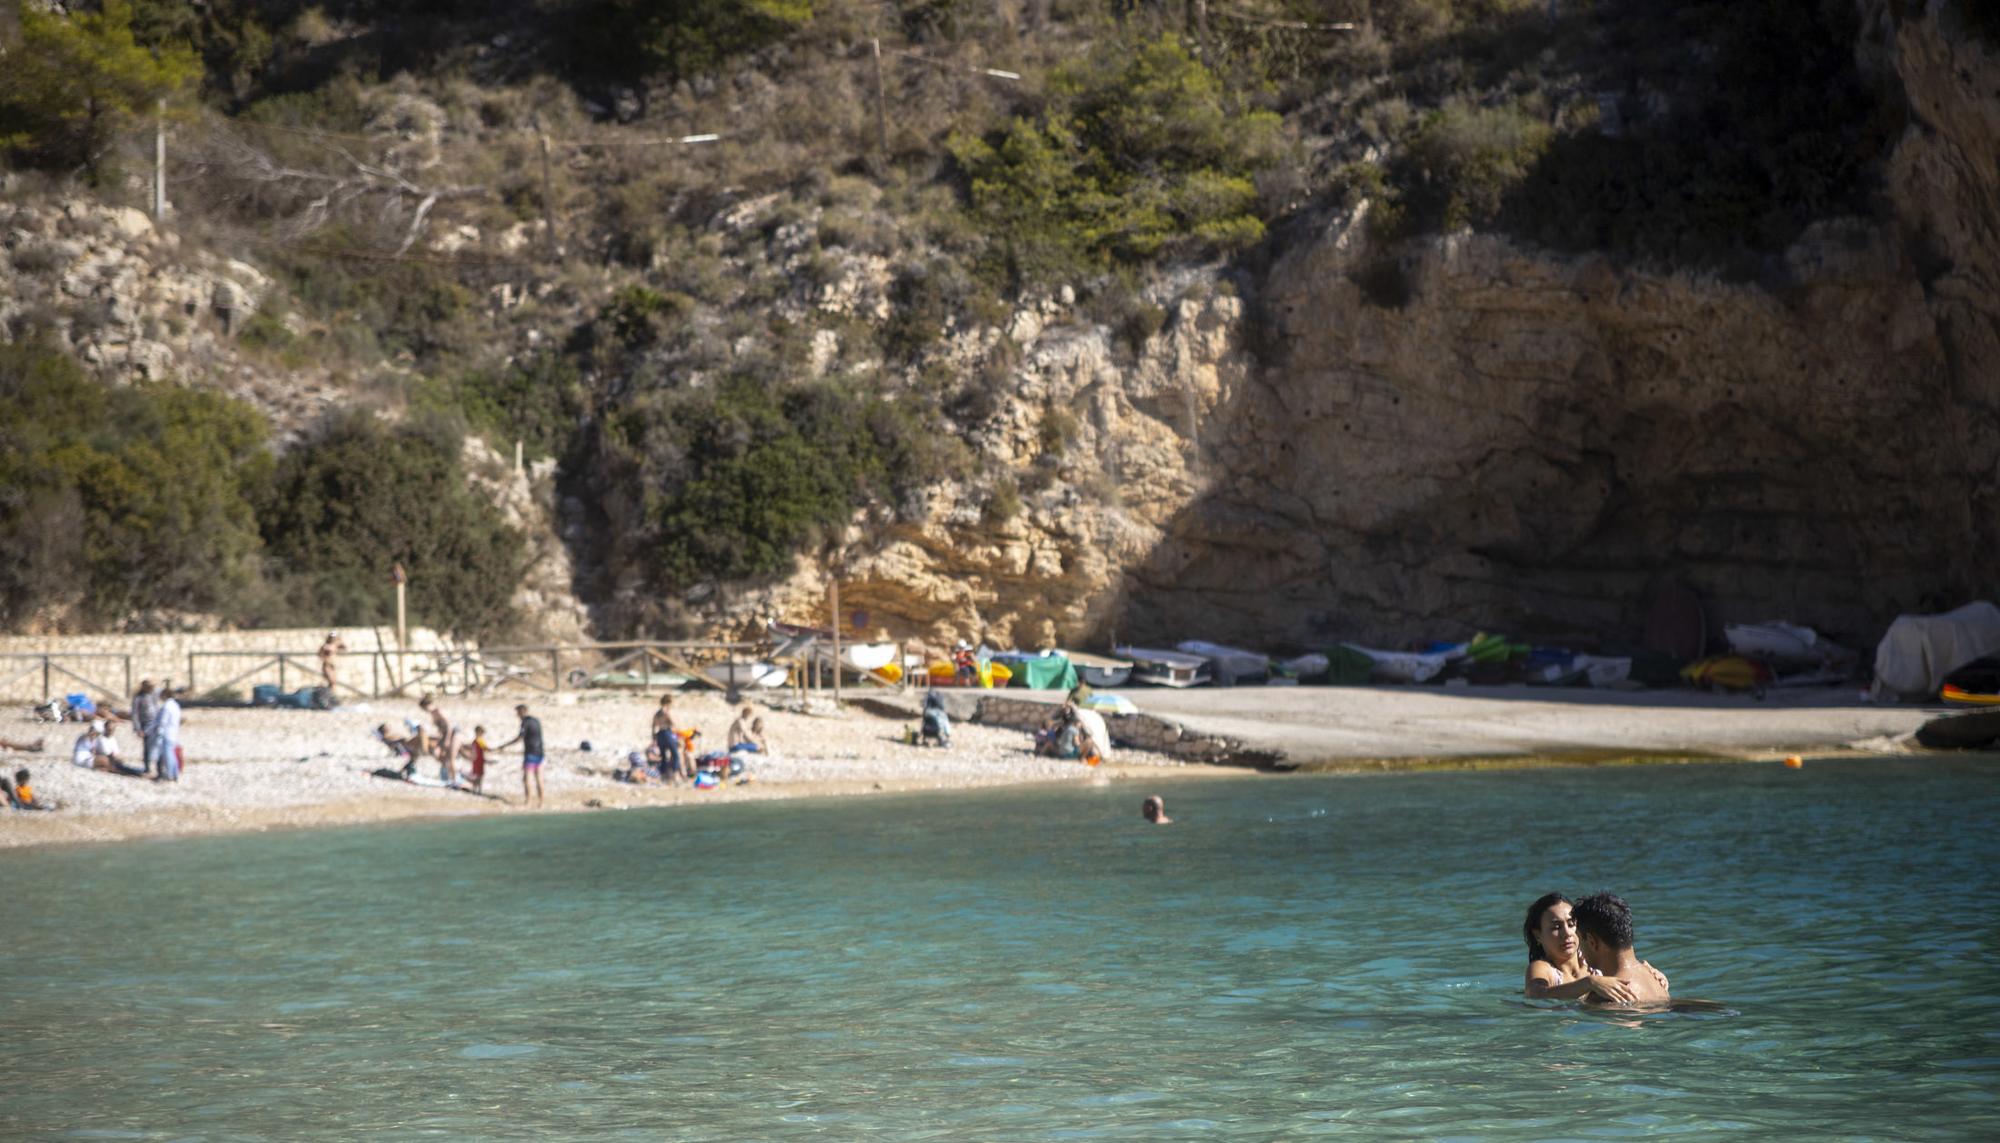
(361, 496)
(119, 499)
(1462, 160)
(731, 481)
(1139, 152)
(633, 40)
(72, 82)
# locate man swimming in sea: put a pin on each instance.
(1604, 930)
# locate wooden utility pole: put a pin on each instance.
(548, 190)
(833, 605)
(881, 104)
(401, 580)
(160, 161)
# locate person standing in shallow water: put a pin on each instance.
(1604, 930)
(1556, 968)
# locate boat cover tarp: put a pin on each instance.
(1051, 672)
(1919, 651)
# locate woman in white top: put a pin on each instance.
(1556, 969)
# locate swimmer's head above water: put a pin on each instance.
(1603, 926)
(1154, 809)
(1549, 930)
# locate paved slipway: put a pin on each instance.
(1336, 726)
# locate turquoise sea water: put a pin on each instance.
(1294, 957)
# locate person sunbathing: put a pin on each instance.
(741, 736)
(34, 747)
(405, 746)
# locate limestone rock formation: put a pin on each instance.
(1532, 443)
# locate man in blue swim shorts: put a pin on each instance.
(530, 738)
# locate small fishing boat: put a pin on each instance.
(1100, 671)
(1405, 666)
(1159, 668)
(745, 674)
(1228, 664)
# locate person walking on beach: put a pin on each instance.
(667, 738)
(530, 738)
(145, 722)
(1604, 929)
(447, 737)
(328, 652)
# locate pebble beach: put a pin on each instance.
(263, 768)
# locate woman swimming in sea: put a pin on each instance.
(1556, 970)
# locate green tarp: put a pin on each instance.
(1040, 672)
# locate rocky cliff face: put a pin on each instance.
(1527, 442)
(1533, 443)
(1517, 440)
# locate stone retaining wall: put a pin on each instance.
(114, 664)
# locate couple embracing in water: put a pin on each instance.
(1583, 951)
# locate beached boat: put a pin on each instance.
(1099, 671)
(745, 674)
(1312, 665)
(1159, 668)
(1404, 666)
(1228, 664)
(1781, 644)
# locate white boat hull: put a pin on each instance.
(747, 675)
(1105, 676)
(1166, 668)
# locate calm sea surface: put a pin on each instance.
(1295, 956)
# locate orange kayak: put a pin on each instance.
(1965, 697)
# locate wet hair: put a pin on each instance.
(1152, 808)
(1606, 917)
(1530, 927)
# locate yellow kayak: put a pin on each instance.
(1969, 698)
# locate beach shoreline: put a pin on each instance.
(261, 769)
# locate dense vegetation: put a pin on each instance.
(120, 500)
(993, 151)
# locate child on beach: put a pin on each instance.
(478, 752)
(24, 795)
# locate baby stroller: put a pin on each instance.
(937, 724)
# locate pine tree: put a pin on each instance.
(73, 82)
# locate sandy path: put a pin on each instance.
(1318, 725)
(266, 768)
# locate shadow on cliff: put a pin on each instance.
(1449, 434)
